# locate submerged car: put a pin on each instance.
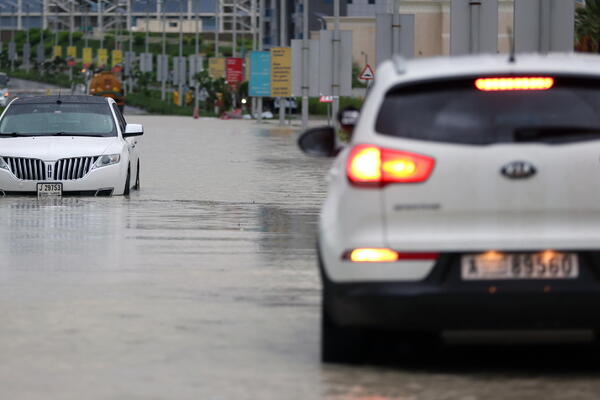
(56, 145)
(467, 199)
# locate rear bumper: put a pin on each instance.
(444, 302)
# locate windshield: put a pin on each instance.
(58, 119)
(457, 112)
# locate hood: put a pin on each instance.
(54, 148)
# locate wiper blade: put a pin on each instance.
(15, 134)
(72, 134)
(555, 133)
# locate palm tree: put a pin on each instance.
(587, 26)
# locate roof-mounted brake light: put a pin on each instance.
(514, 83)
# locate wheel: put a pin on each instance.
(126, 190)
(341, 344)
(137, 178)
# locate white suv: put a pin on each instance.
(468, 198)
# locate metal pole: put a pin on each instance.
(261, 7)
(12, 39)
(163, 94)
(27, 68)
(305, 64)
(85, 27)
(130, 58)
(146, 44)
(396, 28)
(253, 23)
(101, 23)
(196, 67)
(234, 29)
(336, 59)
(71, 23)
(217, 27)
(178, 66)
(42, 31)
(282, 43)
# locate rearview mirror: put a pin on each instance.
(318, 142)
(133, 130)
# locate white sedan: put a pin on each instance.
(56, 145)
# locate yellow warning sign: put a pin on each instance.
(117, 57)
(102, 57)
(72, 51)
(57, 51)
(216, 67)
(87, 56)
(281, 72)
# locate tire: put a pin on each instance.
(126, 190)
(137, 178)
(341, 345)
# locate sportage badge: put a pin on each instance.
(518, 170)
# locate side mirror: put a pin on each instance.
(318, 142)
(133, 130)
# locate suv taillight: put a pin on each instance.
(369, 165)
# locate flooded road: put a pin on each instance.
(204, 285)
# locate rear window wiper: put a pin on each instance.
(555, 133)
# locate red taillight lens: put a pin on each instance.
(370, 165)
(514, 83)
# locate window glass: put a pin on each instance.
(457, 112)
(62, 118)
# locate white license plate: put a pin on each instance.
(495, 265)
(49, 189)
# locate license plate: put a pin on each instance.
(49, 189)
(495, 265)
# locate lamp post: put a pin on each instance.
(178, 66)
(217, 27)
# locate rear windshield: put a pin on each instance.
(457, 112)
(58, 119)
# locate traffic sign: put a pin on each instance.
(326, 99)
(367, 73)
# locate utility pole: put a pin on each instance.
(261, 8)
(254, 47)
(336, 59)
(164, 62)
(305, 64)
(178, 66)
(282, 43)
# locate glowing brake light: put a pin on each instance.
(375, 255)
(369, 165)
(514, 83)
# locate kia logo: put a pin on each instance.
(518, 170)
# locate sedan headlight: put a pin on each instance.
(108, 159)
(3, 164)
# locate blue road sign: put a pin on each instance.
(260, 74)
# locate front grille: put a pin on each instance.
(29, 169)
(73, 168)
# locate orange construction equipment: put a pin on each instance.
(106, 84)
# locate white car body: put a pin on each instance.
(542, 216)
(520, 199)
(70, 159)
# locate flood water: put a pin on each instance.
(204, 285)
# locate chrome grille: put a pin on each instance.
(28, 169)
(73, 168)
